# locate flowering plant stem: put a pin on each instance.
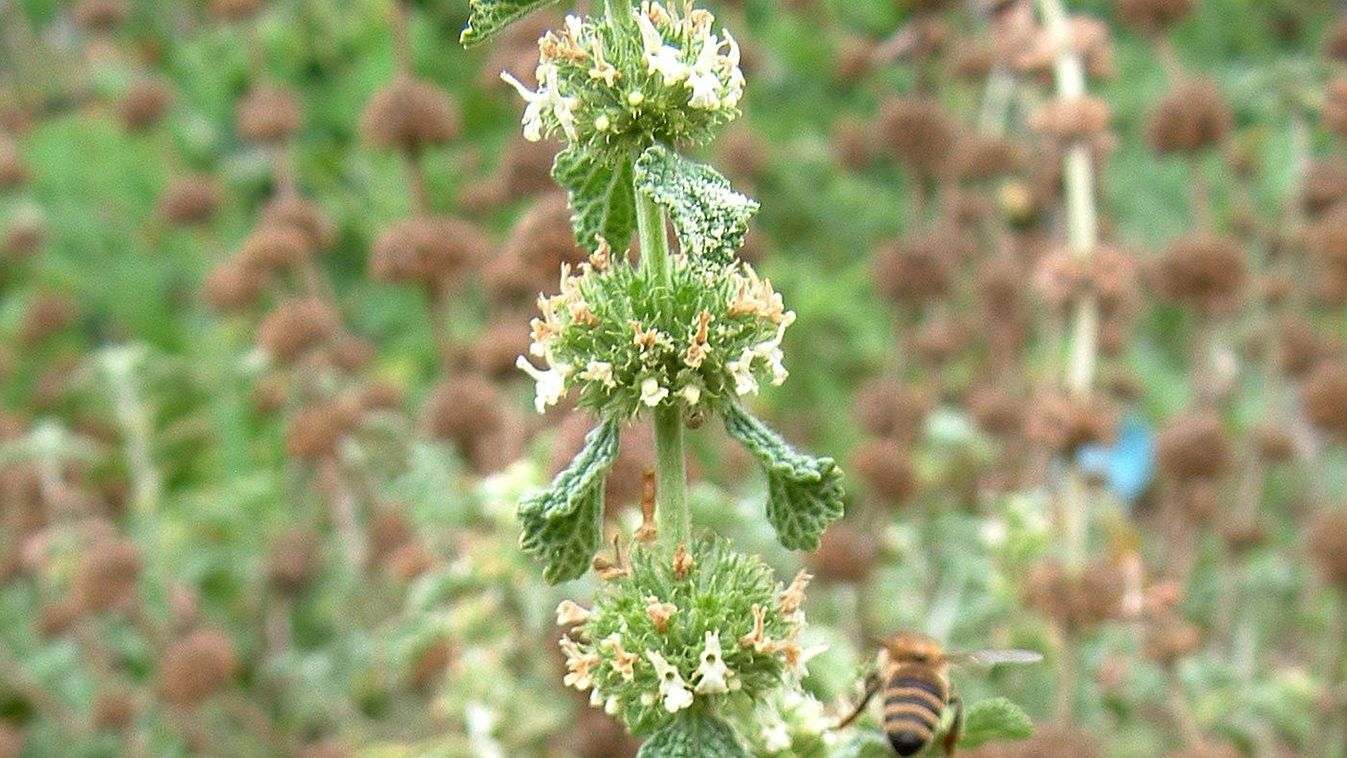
(671, 501)
(1082, 228)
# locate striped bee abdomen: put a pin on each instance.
(914, 699)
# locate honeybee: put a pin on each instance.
(913, 671)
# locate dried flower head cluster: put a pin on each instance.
(673, 633)
(713, 334)
(661, 76)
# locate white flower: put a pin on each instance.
(672, 688)
(480, 721)
(570, 613)
(652, 394)
(712, 672)
(741, 369)
(659, 57)
(692, 394)
(775, 737)
(702, 78)
(551, 384)
(599, 371)
(731, 64)
(548, 97)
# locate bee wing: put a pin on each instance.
(990, 658)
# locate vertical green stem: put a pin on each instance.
(671, 499)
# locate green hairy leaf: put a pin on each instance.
(994, 720)
(602, 199)
(488, 18)
(709, 217)
(804, 493)
(694, 735)
(562, 526)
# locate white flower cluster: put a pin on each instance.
(708, 341)
(679, 53)
(677, 689)
(708, 72)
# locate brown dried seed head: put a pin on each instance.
(48, 315)
(55, 618)
(1324, 398)
(510, 283)
(296, 326)
(23, 237)
(1195, 115)
(232, 286)
(971, 60)
(887, 409)
(1333, 112)
(380, 394)
(938, 340)
(12, 740)
(410, 115)
(13, 171)
(543, 239)
(390, 529)
(1075, 602)
(465, 410)
(325, 749)
(101, 15)
(626, 479)
(1202, 272)
(852, 143)
(845, 554)
(433, 250)
(997, 411)
(1064, 424)
(526, 168)
(980, 158)
(105, 577)
(1195, 446)
(268, 114)
(496, 350)
(1335, 42)
(114, 709)
(918, 133)
(352, 353)
(1275, 444)
(429, 666)
(743, 155)
(144, 105)
(294, 211)
(1170, 641)
(196, 667)
(916, 270)
(1243, 534)
(1324, 186)
(294, 559)
(274, 248)
(1070, 120)
(1152, 16)
(1301, 348)
(1328, 546)
(886, 468)
(317, 429)
(234, 10)
(190, 200)
(853, 60)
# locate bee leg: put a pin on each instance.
(871, 687)
(956, 727)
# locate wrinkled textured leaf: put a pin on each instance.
(489, 17)
(994, 720)
(562, 526)
(709, 217)
(602, 197)
(804, 493)
(694, 735)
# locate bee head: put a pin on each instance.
(912, 647)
